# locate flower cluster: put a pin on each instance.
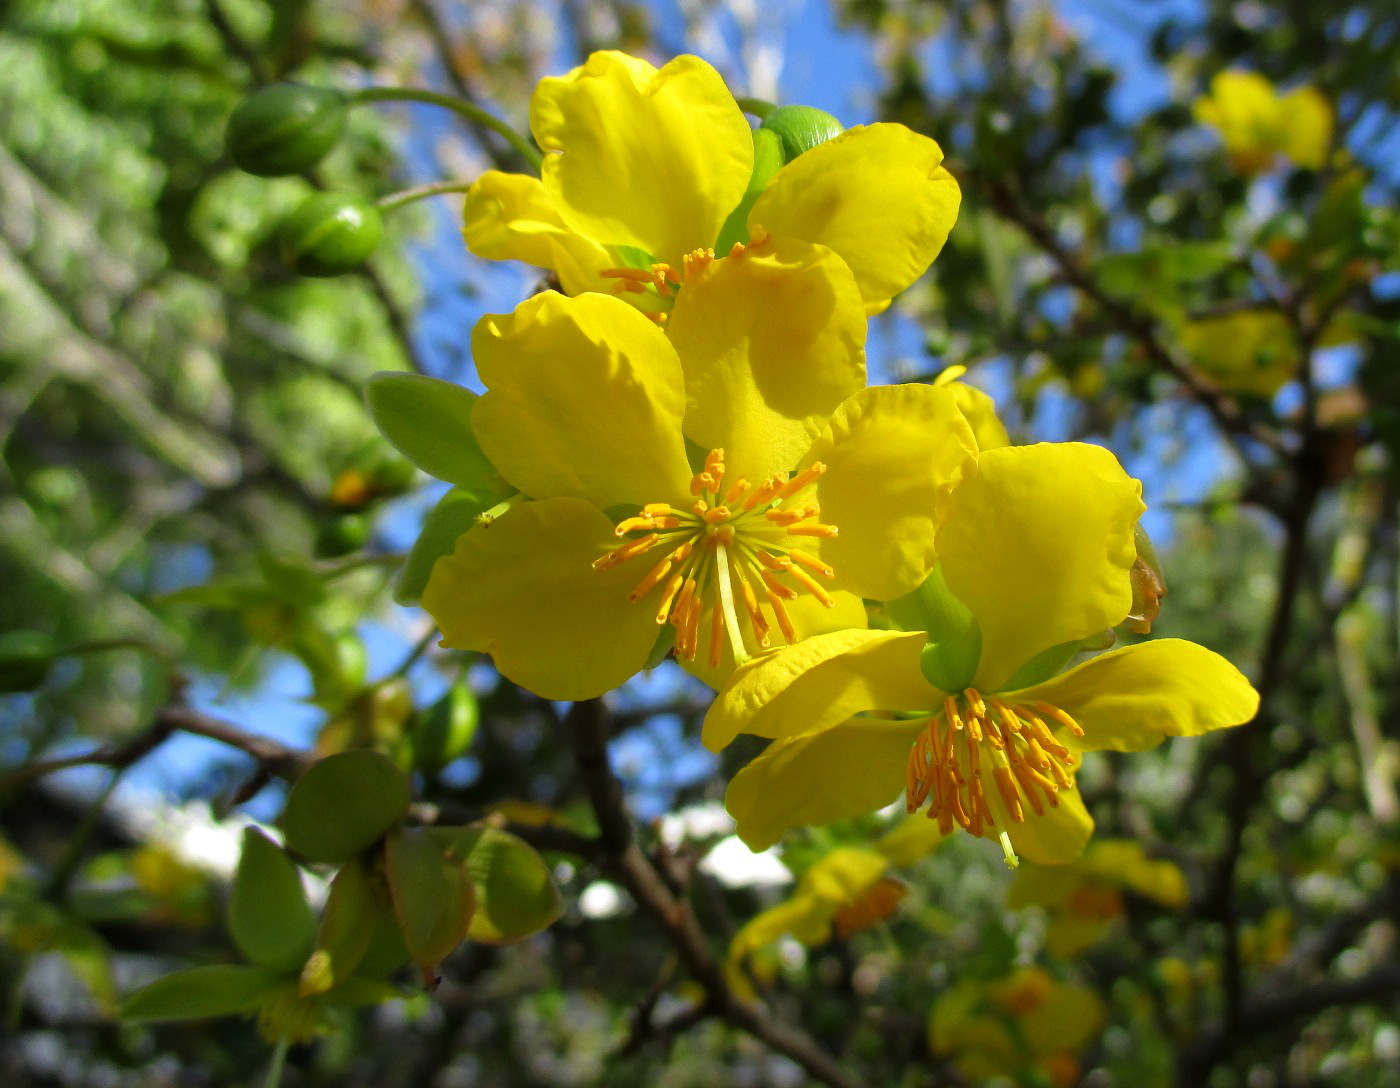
(873, 578)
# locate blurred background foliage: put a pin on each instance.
(196, 511)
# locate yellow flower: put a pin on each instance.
(1085, 898)
(1257, 124)
(643, 166)
(808, 494)
(1026, 1020)
(1035, 557)
(845, 892)
(1253, 351)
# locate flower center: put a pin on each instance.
(973, 734)
(661, 281)
(739, 543)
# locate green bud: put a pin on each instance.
(331, 233)
(801, 128)
(341, 535)
(344, 804)
(25, 660)
(443, 731)
(286, 128)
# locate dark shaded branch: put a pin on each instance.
(1138, 326)
(624, 862)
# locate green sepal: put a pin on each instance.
(516, 896)
(218, 990)
(268, 916)
(949, 661)
(457, 512)
(1043, 666)
(344, 804)
(767, 160)
(356, 900)
(429, 421)
(801, 128)
(286, 128)
(330, 234)
(433, 895)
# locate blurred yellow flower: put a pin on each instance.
(1035, 557)
(846, 891)
(811, 492)
(1084, 898)
(1026, 1021)
(1257, 124)
(643, 166)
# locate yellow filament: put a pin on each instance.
(742, 529)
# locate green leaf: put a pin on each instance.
(220, 990)
(515, 894)
(356, 900)
(429, 421)
(268, 916)
(344, 804)
(433, 894)
(454, 515)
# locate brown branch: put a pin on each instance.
(1274, 1012)
(622, 860)
(273, 758)
(1139, 326)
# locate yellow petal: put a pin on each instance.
(877, 195)
(808, 615)
(508, 217)
(1133, 698)
(980, 411)
(847, 770)
(524, 591)
(771, 342)
(1306, 127)
(821, 681)
(640, 157)
(1055, 838)
(914, 837)
(1038, 546)
(584, 398)
(893, 455)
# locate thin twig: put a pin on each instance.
(621, 859)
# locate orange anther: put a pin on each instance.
(811, 562)
(777, 587)
(715, 516)
(801, 480)
(810, 584)
(827, 531)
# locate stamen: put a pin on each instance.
(792, 517)
(780, 614)
(739, 540)
(765, 491)
(801, 480)
(828, 531)
(1051, 711)
(811, 562)
(777, 587)
(810, 585)
(1029, 766)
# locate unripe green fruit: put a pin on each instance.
(341, 535)
(331, 234)
(286, 128)
(25, 660)
(801, 128)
